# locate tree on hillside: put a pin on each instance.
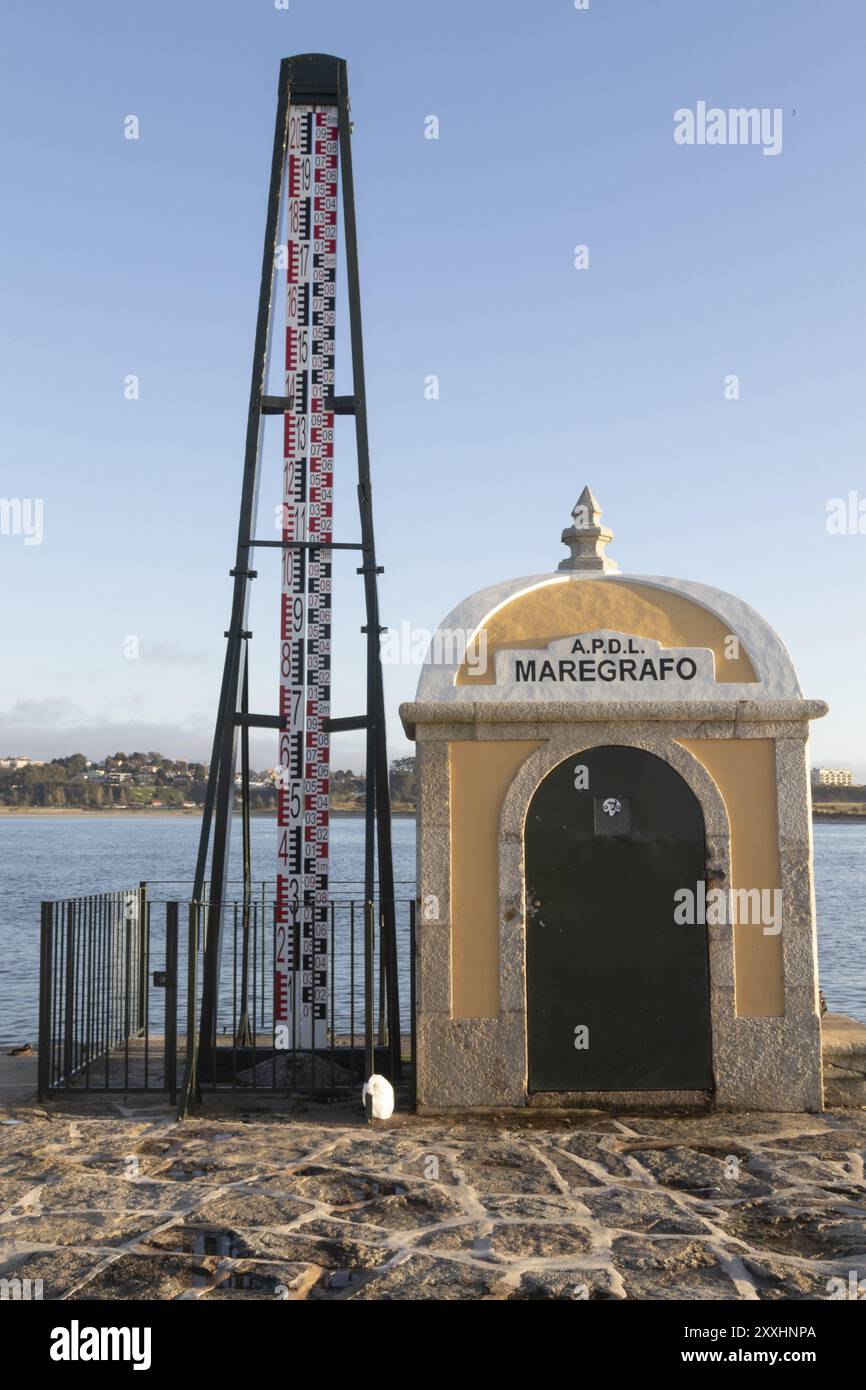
(402, 780)
(74, 764)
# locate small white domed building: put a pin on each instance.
(614, 847)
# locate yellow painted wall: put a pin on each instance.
(744, 770)
(481, 774)
(561, 609)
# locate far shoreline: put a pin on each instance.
(839, 817)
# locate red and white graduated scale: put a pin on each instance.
(301, 947)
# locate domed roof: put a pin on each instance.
(585, 632)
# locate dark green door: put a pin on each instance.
(617, 991)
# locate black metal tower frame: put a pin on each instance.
(310, 78)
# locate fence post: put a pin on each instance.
(369, 948)
(170, 1029)
(43, 1063)
(69, 992)
(143, 936)
(190, 1093)
(412, 1025)
(382, 1036)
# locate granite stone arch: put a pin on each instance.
(561, 747)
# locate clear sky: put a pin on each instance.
(123, 257)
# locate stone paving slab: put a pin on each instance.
(103, 1200)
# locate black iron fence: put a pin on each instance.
(92, 983)
(121, 982)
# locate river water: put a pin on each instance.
(59, 857)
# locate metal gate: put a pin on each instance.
(121, 982)
(94, 994)
(617, 990)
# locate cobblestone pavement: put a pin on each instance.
(124, 1202)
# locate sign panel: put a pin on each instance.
(603, 663)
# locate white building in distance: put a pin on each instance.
(832, 777)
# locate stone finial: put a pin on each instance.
(586, 539)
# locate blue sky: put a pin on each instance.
(556, 128)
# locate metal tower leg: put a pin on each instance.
(219, 800)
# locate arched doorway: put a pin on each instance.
(617, 990)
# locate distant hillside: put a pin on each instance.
(142, 781)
